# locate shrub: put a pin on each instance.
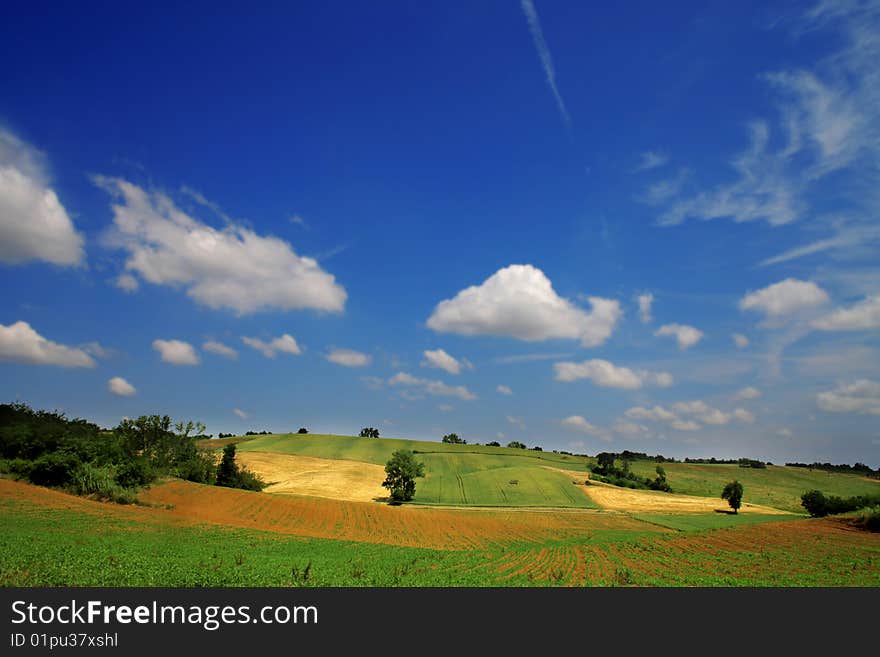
(869, 518)
(135, 473)
(53, 469)
(100, 482)
(18, 467)
(815, 503)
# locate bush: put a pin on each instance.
(516, 444)
(869, 518)
(18, 467)
(135, 473)
(815, 503)
(53, 469)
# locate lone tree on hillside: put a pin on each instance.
(400, 475)
(232, 476)
(303, 430)
(516, 444)
(454, 439)
(369, 432)
(733, 493)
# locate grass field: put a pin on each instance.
(471, 525)
(482, 476)
(48, 538)
(777, 486)
(454, 474)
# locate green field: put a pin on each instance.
(454, 474)
(48, 546)
(777, 486)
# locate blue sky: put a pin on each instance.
(627, 227)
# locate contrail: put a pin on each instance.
(531, 13)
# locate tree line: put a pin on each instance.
(48, 449)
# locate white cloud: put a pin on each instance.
(176, 352)
(785, 298)
(861, 396)
(446, 408)
(127, 283)
(373, 382)
(743, 415)
(627, 428)
(580, 423)
(829, 121)
(516, 421)
(684, 425)
(608, 375)
(119, 386)
(531, 13)
(656, 414)
(240, 413)
(20, 343)
(740, 340)
(437, 388)
(530, 358)
(862, 316)
(645, 302)
(285, 343)
(348, 358)
(33, 223)
(686, 336)
(519, 302)
(763, 189)
(749, 392)
(220, 349)
(702, 412)
(504, 390)
(846, 239)
(232, 268)
(652, 160)
(439, 359)
(785, 432)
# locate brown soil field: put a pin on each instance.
(379, 523)
(307, 475)
(764, 551)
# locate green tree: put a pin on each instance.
(516, 444)
(400, 475)
(227, 471)
(815, 503)
(605, 461)
(369, 432)
(733, 493)
(453, 439)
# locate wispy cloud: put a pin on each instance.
(531, 13)
(651, 160)
(827, 121)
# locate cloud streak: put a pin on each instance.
(531, 14)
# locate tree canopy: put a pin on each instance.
(733, 493)
(400, 475)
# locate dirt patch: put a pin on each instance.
(377, 523)
(307, 475)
